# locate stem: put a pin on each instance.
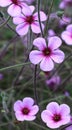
(5, 22)
(66, 126)
(39, 18)
(34, 85)
(13, 66)
(47, 22)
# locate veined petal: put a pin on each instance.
(43, 16)
(28, 102)
(34, 110)
(53, 125)
(19, 116)
(46, 116)
(26, 11)
(64, 110)
(4, 3)
(22, 29)
(66, 36)
(53, 107)
(35, 56)
(29, 118)
(46, 64)
(32, 8)
(18, 105)
(54, 42)
(14, 10)
(36, 28)
(18, 19)
(58, 56)
(40, 43)
(69, 28)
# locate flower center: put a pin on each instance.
(30, 19)
(57, 117)
(25, 111)
(47, 52)
(15, 2)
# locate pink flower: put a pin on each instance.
(25, 110)
(53, 82)
(28, 19)
(15, 6)
(65, 20)
(51, 33)
(46, 55)
(67, 35)
(56, 115)
(65, 3)
(69, 127)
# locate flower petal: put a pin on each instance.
(46, 116)
(29, 118)
(64, 110)
(22, 29)
(46, 64)
(66, 36)
(19, 19)
(58, 56)
(4, 3)
(32, 8)
(65, 120)
(34, 110)
(19, 116)
(28, 102)
(69, 28)
(53, 125)
(35, 57)
(43, 16)
(53, 107)
(39, 43)
(14, 10)
(36, 28)
(54, 42)
(26, 11)
(18, 105)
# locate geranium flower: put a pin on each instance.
(56, 115)
(25, 110)
(65, 3)
(28, 19)
(67, 35)
(65, 20)
(15, 6)
(53, 82)
(47, 54)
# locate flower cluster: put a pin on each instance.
(54, 115)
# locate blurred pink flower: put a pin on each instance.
(67, 35)
(65, 3)
(28, 19)
(15, 6)
(46, 55)
(56, 115)
(65, 20)
(53, 82)
(69, 127)
(1, 76)
(25, 110)
(51, 33)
